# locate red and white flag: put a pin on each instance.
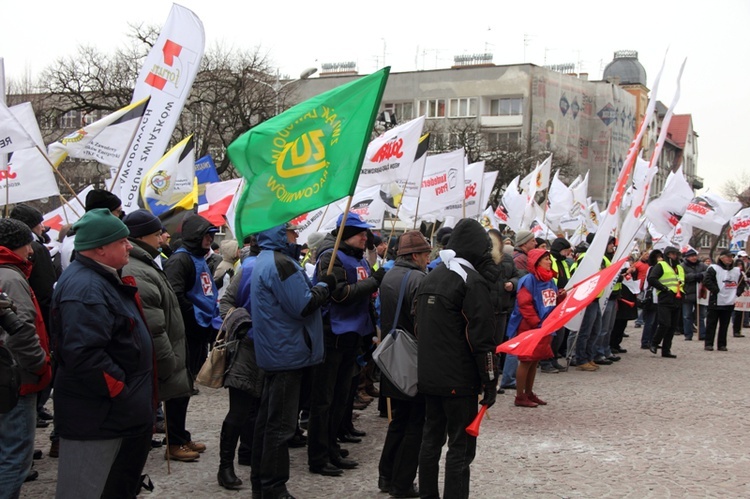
(575, 301)
(389, 158)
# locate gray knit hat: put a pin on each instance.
(523, 237)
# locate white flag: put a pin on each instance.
(512, 205)
(709, 212)
(442, 184)
(389, 157)
(740, 225)
(667, 210)
(105, 141)
(68, 213)
(167, 75)
(559, 201)
(470, 206)
(321, 220)
(13, 135)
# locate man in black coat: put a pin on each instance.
(456, 331)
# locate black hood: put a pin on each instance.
(194, 228)
(471, 242)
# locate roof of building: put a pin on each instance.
(679, 127)
(626, 67)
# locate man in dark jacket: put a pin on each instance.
(345, 322)
(288, 336)
(454, 324)
(22, 331)
(725, 284)
(400, 456)
(668, 279)
(105, 385)
(163, 318)
(194, 286)
(695, 271)
(525, 242)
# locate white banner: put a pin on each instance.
(473, 176)
(442, 184)
(740, 226)
(166, 75)
(13, 135)
(389, 157)
(68, 213)
(709, 212)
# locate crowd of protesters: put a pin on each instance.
(115, 321)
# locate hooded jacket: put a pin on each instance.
(180, 269)
(30, 345)
(228, 251)
(454, 317)
(694, 274)
(164, 320)
(535, 300)
(287, 323)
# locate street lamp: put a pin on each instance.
(277, 87)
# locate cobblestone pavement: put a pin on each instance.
(643, 427)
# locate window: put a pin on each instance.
(403, 111)
(462, 108)
(498, 140)
(69, 120)
(434, 108)
(506, 107)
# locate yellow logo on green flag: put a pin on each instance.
(306, 157)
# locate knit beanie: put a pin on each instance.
(523, 237)
(97, 228)
(413, 242)
(101, 198)
(14, 233)
(142, 223)
(27, 214)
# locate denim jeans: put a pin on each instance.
(688, 316)
(603, 349)
(649, 327)
(588, 333)
(447, 417)
(509, 371)
(17, 429)
(277, 420)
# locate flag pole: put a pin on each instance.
(322, 218)
(75, 195)
(340, 233)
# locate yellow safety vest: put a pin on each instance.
(671, 279)
(566, 269)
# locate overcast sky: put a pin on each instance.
(411, 36)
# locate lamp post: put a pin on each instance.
(277, 87)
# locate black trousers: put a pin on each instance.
(669, 321)
(331, 387)
(176, 414)
(400, 456)
(722, 317)
(124, 477)
(447, 417)
(243, 412)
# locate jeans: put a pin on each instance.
(688, 317)
(588, 333)
(608, 320)
(649, 327)
(509, 371)
(447, 417)
(17, 429)
(400, 456)
(277, 420)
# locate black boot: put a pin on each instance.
(227, 445)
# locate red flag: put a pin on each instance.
(576, 300)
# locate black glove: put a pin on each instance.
(9, 321)
(379, 274)
(330, 281)
(488, 377)
(370, 240)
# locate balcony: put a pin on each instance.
(500, 121)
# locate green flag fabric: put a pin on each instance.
(306, 157)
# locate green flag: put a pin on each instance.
(306, 157)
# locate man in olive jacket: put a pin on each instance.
(164, 320)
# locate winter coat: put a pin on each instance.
(712, 284)
(243, 372)
(43, 276)
(666, 298)
(535, 299)
(694, 273)
(105, 384)
(164, 320)
(30, 345)
(454, 318)
(228, 251)
(389, 292)
(287, 322)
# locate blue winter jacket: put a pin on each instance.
(287, 323)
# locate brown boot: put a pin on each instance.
(196, 447)
(180, 453)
